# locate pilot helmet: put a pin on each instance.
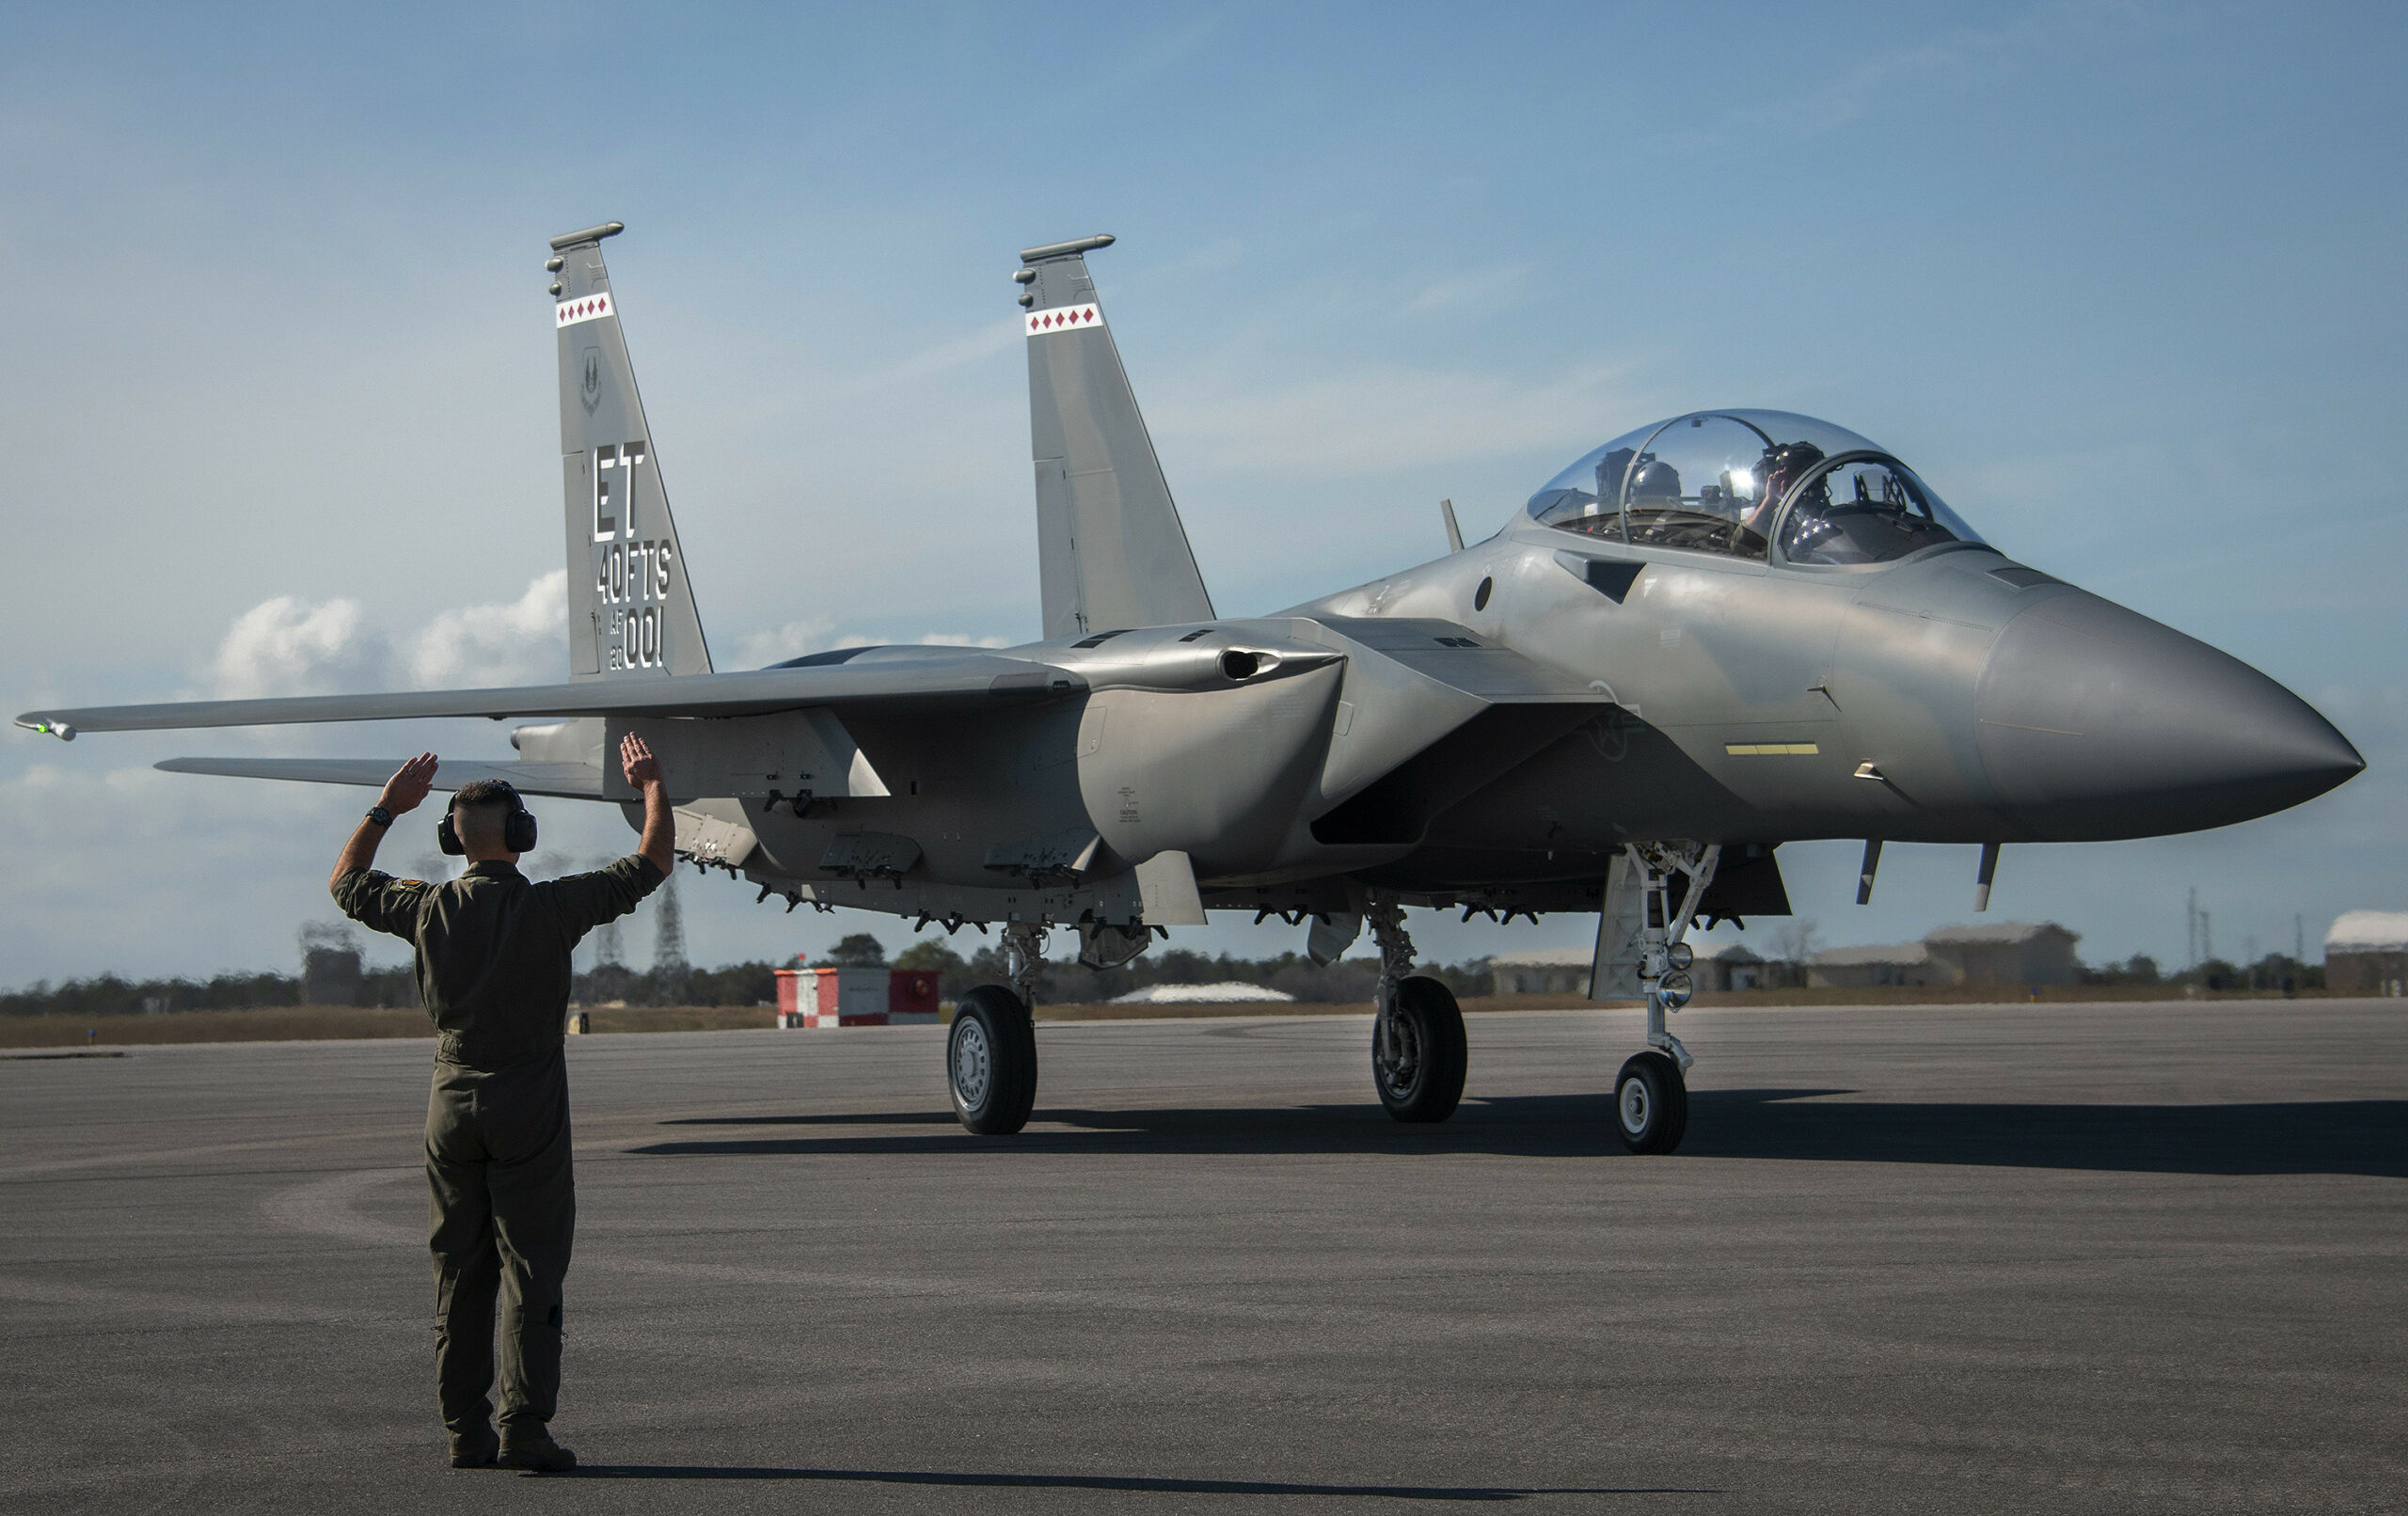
(1781, 465)
(1655, 480)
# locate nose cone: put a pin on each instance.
(2096, 723)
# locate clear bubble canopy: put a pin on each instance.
(1736, 482)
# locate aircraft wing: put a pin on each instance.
(573, 782)
(946, 678)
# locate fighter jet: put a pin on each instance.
(1704, 639)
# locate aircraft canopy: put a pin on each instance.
(1735, 481)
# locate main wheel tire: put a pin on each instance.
(990, 1061)
(1423, 1081)
(1651, 1103)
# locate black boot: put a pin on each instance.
(536, 1451)
(474, 1449)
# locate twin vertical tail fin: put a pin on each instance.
(1111, 551)
(631, 611)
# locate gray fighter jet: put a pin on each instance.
(1710, 636)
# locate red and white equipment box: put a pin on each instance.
(856, 997)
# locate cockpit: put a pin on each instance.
(1739, 482)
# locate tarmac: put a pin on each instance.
(1963, 1259)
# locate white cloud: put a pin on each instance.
(288, 646)
(524, 642)
(285, 646)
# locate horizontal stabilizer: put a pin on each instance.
(568, 782)
(938, 679)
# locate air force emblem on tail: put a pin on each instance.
(633, 577)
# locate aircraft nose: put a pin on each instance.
(2096, 722)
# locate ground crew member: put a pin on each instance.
(492, 967)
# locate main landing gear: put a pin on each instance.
(1418, 1052)
(990, 1053)
(1651, 1098)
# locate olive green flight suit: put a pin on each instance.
(492, 967)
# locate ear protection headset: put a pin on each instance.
(517, 828)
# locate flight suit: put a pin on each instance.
(492, 967)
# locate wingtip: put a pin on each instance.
(40, 722)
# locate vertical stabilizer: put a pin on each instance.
(630, 609)
(1109, 550)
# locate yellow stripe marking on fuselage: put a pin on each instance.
(1771, 750)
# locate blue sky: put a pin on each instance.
(2122, 282)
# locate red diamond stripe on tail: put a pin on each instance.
(569, 312)
(1062, 319)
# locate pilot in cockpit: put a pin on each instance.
(1782, 466)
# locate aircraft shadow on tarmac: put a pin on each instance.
(1135, 1483)
(2344, 1137)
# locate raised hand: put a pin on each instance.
(637, 762)
(409, 784)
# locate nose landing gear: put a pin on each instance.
(1650, 1097)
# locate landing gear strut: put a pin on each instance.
(1651, 1098)
(1417, 1051)
(990, 1053)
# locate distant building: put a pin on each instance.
(2006, 953)
(2022, 954)
(1542, 972)
(2367, 953)
(1863, 967)
(1726, 966)
(1721, 966)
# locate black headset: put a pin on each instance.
(518, 828)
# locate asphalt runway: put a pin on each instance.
(2064, 1258)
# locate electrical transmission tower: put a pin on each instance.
(669, 966)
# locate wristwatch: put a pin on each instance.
(380, 815)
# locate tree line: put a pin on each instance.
(1061, 982)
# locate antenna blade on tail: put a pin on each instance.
(1111, 551)
(631, 611)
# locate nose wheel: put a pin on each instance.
(1651, 1103)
